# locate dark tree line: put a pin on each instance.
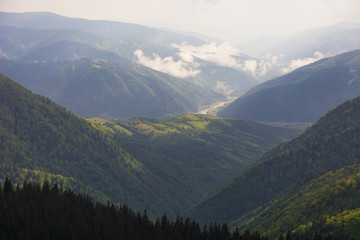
(49, 212)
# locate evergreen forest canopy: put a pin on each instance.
(32, 211)
(332, 143)
(113, 90)
(43, 141)
(328, 204)
(298, 190)
(303, 95)
(61, 39)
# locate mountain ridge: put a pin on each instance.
(107, 89)
(42, 141)
(314, 206)
(127, 31)
(329, 144)
(303, 95)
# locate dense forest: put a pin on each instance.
(332, 143)
(34, 211)
(328, 204)
(42, 141)
(78, 170)
(115, 90)
(303, 95)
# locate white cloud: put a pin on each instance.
(226, 55)
(222, 54)
(250, 66)
(167, 65)
(223, 88)
(297, 63)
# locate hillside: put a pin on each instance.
(110, 29)
(328, 204)
(50, 37)
(330, 41)
(303, 95)
(332, 143)
(32, 211)
(42, 141)
(68, 50)
(204, 150)
(108, 89)
(28, 44)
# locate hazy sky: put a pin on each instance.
(233, 20)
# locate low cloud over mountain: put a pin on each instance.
(167, 65)
(188, 61)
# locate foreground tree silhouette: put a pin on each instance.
(44, 212)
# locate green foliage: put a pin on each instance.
(115, 90)
(38, 135)
(303, 95)
(27, 43)
(19, 175)
(193, 153)
(328, 204)
(332, 143)
(43, 212)
(129, 165)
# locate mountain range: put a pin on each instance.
(117, 121)
(303, 95)
(165, 174)
(330, 144)
(109, 29)
(329, 41)
(50, 37)
(108, 89)
(215, 66)
(328, 204)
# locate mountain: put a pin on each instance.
(33, 211)
(108, 89)
(223, 80)
(195, 153)
(283, 54)
(303, 95)
(330, 41)
(328, 204)
(332, 143)
(204, 144)
(42, 141)
(110, 29)
(16, 43)
(67, 50)
(49, 37)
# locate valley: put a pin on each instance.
(135, 132)
(214, 109)
(172, 161)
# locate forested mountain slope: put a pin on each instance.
(303, 95)
(32, 211)
(108, 89)
(42, 141)
(49, 37)
(328, 204)
(110, 29)
(202, 150)
(332, 143)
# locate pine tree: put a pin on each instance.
(8, 186)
